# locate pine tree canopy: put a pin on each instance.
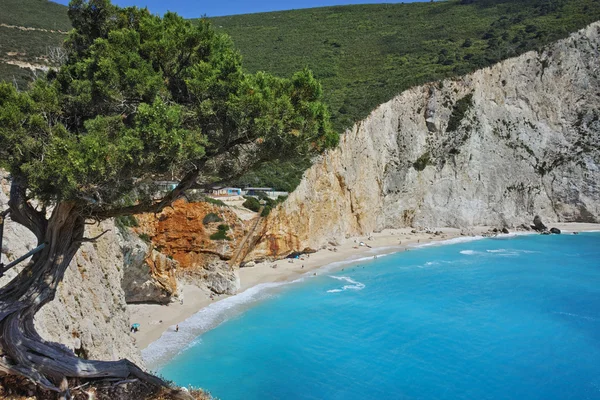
(142, 97)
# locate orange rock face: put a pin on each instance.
(179, 232)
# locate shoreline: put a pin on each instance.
(156, 320)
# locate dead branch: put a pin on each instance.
(93, 239)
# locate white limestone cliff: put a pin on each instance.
(526, 142)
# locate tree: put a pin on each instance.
(139, 97)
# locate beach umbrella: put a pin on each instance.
(136, 325)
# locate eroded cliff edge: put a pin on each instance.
(492, 148)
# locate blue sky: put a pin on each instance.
(213, 8)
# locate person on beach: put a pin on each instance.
(177, 328)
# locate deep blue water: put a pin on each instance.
(511, 318)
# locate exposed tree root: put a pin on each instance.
(22, 351)
(18, 388)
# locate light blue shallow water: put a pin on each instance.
(515, 318)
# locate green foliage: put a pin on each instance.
(145, 237)
(281, 175)
(216, 202)
(251, 204)
(363, 54)
(221, 233)
(196, 196)
(143, 96)
(126, 221)
(20, 77)
(211, 217)
(423, 161)
(266, 210)
(270, 203)
(35, 14)
(366, 54)
(458, 112)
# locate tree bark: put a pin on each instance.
(22, 350)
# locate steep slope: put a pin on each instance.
(31, 31)
(89, 314)
(492, 148)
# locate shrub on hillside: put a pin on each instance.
(221, 233)
(458, 112)
(216, 202)
(211, 217)
(265, 211)
(422, 162)
(251, 204)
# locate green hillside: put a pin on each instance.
(366, 54)
(46, 20)
(34, 14)
(363, 55)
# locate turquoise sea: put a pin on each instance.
(505, 318)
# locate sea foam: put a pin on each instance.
(353, 285)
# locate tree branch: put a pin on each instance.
(93, 239)
(22, 212)
(188, 180)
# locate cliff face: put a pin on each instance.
(180, 249)
(89, 314)
(495, 147)
(149, 276)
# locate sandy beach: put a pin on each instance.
(155, 319)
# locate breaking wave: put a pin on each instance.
(353, 285)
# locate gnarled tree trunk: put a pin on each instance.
(22, 350)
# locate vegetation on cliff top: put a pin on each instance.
(366, 54)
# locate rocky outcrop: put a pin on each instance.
(538, 225)
(180, 248)
(149, 276)
(89, 314)
(495, 147)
